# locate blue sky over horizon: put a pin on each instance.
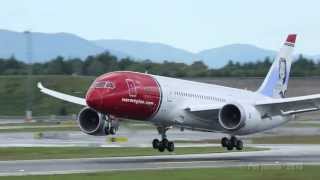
(187, 24)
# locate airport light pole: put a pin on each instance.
(29, 82)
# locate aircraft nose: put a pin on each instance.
(94, 99)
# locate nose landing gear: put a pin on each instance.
(231, 143)
(110, 130)
(112, 125)
(164, 143)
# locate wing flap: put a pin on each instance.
(62, 96)
(299, 111)
(308, 98)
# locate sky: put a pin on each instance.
(193, 25)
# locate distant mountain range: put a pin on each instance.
(145, 50)
(237, 52)
(48, 46)
(215, 57)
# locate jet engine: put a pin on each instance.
(243, 118)
(232, 117)
(91, 122)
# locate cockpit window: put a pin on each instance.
(100, 84)
(109, 85)
(104, 84)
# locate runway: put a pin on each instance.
(137, 137)
(283, 155)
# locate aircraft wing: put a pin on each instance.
(204, 111)
(293, 105)
(62, 96)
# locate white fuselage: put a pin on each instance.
(178, 94)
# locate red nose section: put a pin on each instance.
(125, 94)
(93, 98)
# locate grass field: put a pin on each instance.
(63, 126)
(27, 153)
(14, 96)
(39, 127)
(30, 124)
(242, 173)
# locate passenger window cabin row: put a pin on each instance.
(199, 96)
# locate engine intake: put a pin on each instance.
(232, 117)
(91, 122)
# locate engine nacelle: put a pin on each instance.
(232, 117)
(91, 122)
(240, 119)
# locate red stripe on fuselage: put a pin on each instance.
(134, 95)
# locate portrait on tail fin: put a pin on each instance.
(280, 88)
(275, 83)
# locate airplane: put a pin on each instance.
(169, 102)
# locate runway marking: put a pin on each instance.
(188, 162)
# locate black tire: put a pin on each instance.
(170, 146)
(233, 141)
(155, 143)
(230, 147)
(239, 145)
(165, 142)
(106, 131)
(224, 142)
(113, 130)
(161, 147)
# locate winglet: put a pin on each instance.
(40, 86)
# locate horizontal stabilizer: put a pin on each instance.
(292, 105)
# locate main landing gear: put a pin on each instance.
(231, 143)
(164, 143)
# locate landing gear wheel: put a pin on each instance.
(106, 131)
(165, 142)
(239, 145)
(112, 125)
(161, 147)
(113, 130)
(170, 146)
(233, 141)
(230, 146)
(224, 141)
(155, 143)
